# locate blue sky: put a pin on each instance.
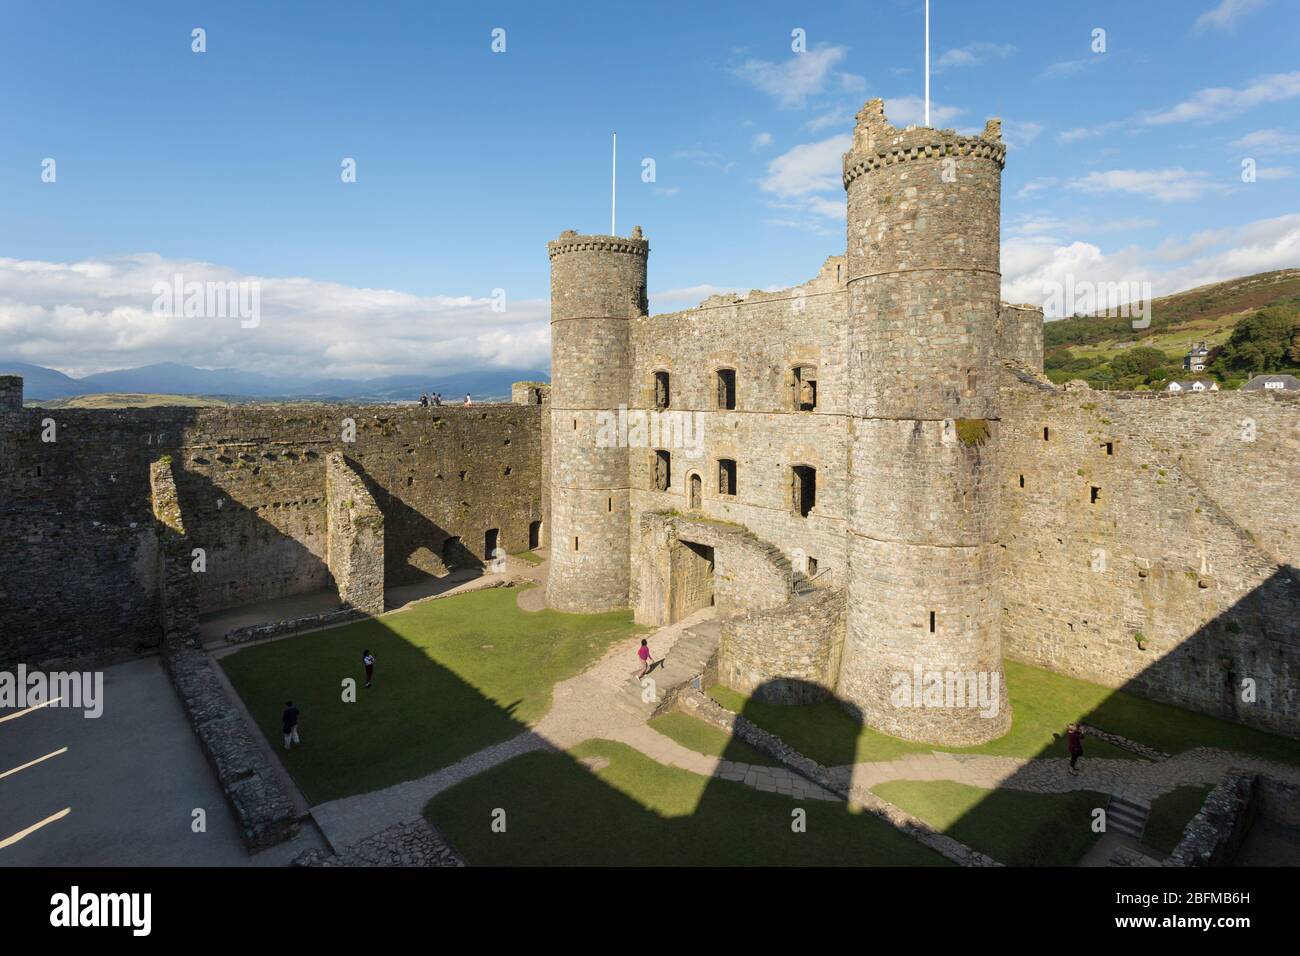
(1123, 164)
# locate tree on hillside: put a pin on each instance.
(1142, 363)
(1265, 341)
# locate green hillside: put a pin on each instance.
(1107, 352)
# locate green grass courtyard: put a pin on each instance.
(452, 675)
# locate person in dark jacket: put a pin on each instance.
(368, 660)
(289, 722)
(1074, 744)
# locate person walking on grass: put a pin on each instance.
(289, 723)
(1074, 743)
(368, 660)
(643, 652)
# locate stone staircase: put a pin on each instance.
(685, 661)
(1127, 817)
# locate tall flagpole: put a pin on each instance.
(613, 188)
(927, 62)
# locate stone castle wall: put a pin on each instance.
(789, 654)
(355, 549)
(748, 575)
(1150, 514)
(82, 575)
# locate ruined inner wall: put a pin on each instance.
(749, 574)
(762, 337)
(1171, 517)
(81, 577)
(923, 313)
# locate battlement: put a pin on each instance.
(571, 241)
(878, 143)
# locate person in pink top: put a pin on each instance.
(643, 652)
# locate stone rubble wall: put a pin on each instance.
(178, 595)
(411, 843)
(1214, 835)
(786, 655)
(355, 532)
(264, 812)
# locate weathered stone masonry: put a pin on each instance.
(913, 401)
(80, 574)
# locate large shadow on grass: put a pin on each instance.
(1191, 697)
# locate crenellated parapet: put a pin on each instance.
(570, 241)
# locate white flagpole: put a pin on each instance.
(613, 188)
(927, 62)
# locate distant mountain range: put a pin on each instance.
(170, 378)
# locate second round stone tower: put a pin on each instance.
(598, 286)
(922, 655)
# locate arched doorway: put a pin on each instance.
(695, 492)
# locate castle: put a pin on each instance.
(866, 475)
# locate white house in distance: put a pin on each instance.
(1192, 385)
(1272, 383)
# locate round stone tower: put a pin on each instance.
(923, 650)
(598, 286)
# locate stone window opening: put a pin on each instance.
(662, 394)
(1110, 448)
(1046, 433)
(1022, 481)
(726, 476)
(1095, 495)
(663, 470)
(803, 489)
(534, 535)
(575, 542)
(490, 537)
(40, 471)
(575, 424)
(507, 471)
(803, 387)
(609, 504)
(695, 492)
(812, 567)
(931, 622)
(727, 389)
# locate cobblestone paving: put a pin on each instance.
(411, 843)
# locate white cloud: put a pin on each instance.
(1268, 173)
(790, 82)
(1268, 142)
(1030, 264)
(836, 117)
(910, 111)
(761, 140)
(1020, 133)
(1221, 102)
(706, 159)
(1225, 15)
(1043, 225)
(973, 54)
(84, 317)
(807, 168)
(1071, 67)
(1174, 184)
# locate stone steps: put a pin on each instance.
(682, 664)
(1126, 817)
